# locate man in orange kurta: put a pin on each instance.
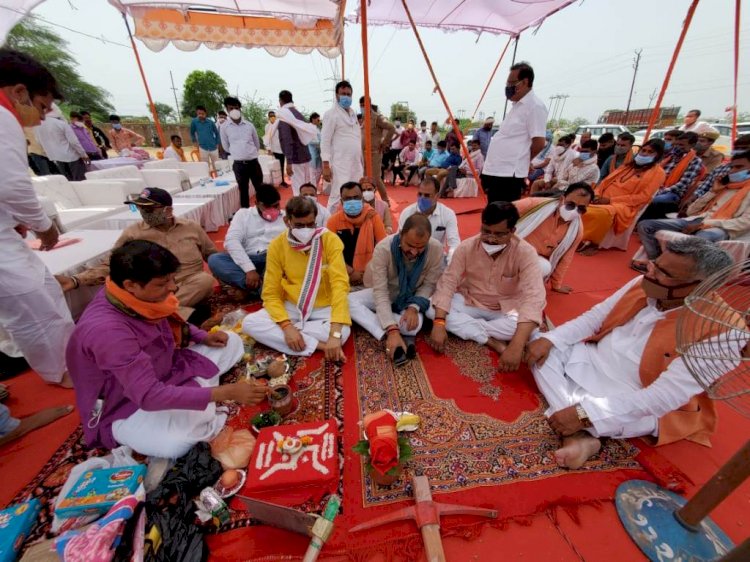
(622, 195)
(614, 371)
(554, 228)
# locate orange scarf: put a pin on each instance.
(676, 173)
(613, 163)
(371, 231)
(150, 311)
(730, 208)
(7, 104)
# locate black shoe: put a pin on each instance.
(399, 357)
(12, 366)
(411, 349)
(201, 313)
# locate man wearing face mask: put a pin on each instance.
(520, 138)
(273, 143)
(122, 138)
(606, 148)
(710, 157)
(240, 139)
(247, 240)
(382, 133)
(340, 143)
(360, 228)
(615, 371)
(395, 145)
(84, 136)
(623, 154)
(442, 218)
(32, 306)
(62, 146)
(621, 195)
(311, 192)
(485, 134)
(582, 168)
(492, 292)
(560, 160)
(295, 134)
(400, 278)
(423, 135)
(741, 144)
(554, 228)
(463, 170)
(305, 289)
(721, 214)
(100, 137)
(368, 194)
(690, 122)
(186, 239)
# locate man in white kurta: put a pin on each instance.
(32, 306)
(340, 143)
(594, 389)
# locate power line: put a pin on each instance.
(636, 62)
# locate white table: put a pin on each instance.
(109, 163)
(201, 210)
(92, 250)
(227, 198)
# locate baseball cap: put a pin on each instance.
(151, 197)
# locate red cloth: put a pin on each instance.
(380, 429)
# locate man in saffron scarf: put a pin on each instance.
(614, 371)
(175, 151)
(623, 154)
(622, 195)
(492, 292)
(360, 228)
(400, 278)
(554, 228)
(143, 376)
(305, 289)
(683, 168)
(721, 214)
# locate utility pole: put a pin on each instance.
(636, 62)
(564, 97)
(176, 103)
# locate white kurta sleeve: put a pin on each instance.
(17, 196)
(238, 229)
(451, 233)
(326, 136)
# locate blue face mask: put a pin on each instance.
(642, 160)
(345, 101)
(353, 207)
(585, 155)
(667, 145)
(742, 175)
(424, 204)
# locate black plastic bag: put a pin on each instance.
(171, 509)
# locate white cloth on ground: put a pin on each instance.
(362, 311)
(317, 329)
(477, 324)
(340, 146)
(172, 433)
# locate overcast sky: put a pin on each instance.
(585, 51)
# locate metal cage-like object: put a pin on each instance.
(713, 337)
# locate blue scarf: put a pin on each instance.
(407, 282)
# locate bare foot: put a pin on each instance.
(35, 421)
(66, 381)
(497, 345)
(577, 449)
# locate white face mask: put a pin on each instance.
(560, 150)
(567, 214)
(303, 235)
(493, 249)
(368, 196)
(235, 114)
(221, 120)
(312, 198)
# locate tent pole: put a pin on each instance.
(159, 130)
(515, 49)
(736, 65)
(678, 47)
(367, 112)
(492, 76)
(456, 128)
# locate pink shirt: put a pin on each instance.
(510, 281)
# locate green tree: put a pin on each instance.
(164, 111)
(567, 124)
(46, 46)
(206, 88)
(401, 111)
(256, 111)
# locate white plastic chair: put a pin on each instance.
(739, 249)
(620, 241)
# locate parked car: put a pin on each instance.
(470, 133)
(724, 143)
(599, 129)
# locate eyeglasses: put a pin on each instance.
(303, 225)
(581, 208)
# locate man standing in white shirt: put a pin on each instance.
(423, 135)
(273, 143)
(240, 139)
(443, 219)
(250, 232)
(521, 136)
(62, 146)
(615, 372)
(691, 124)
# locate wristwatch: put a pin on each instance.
(336, 335)
(583, 417)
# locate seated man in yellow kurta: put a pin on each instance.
(621, 195)
(305, 289)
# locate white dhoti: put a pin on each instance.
(344, 168)
(362, 311)
(172, 433)
(545, 266)
(317, 329)
(302, 174)
(33, 309)
(477, 324)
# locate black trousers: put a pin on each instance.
(74, 171)
(41, 165)
(246, 171)
(502, 188)
(281, 158)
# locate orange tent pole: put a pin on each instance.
(678, 47)
(736, 65)
(367, 113)
(492, 76)
(456, 128)
(159, 130)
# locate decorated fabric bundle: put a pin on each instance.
(380, 430)
(233, 447)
